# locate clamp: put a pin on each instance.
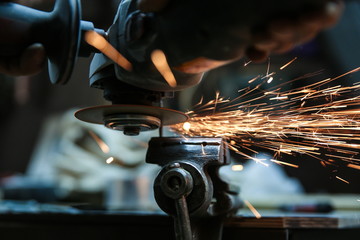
(189, 187)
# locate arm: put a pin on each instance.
(282, 34)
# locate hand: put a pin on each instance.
(30, 62)
(281, 35)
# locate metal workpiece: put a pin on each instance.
(189, 186)
(199, 150)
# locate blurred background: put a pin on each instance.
(47, 155)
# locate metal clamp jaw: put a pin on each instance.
(189, 187)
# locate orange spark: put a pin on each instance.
(247, 63)
(287, 64)
(343, 180)
(99, 42)
(284, 163)
(159, 59)
(279, 98)
(252, 209)
(237, 168)
(350, 165)
(254, 79)
(110, 160)
(187, 126)
(103, 146)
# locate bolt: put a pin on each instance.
(174, 183)
(131, 131)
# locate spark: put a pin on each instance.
(279, 98)
(287, 64)
(237, 168)
(159, 59)
(268, 76)
(343, 180)
(350, 165)
(102, 145)
(254, 79)
(260, 160)
(252, 209)
(327, 126)
(187, 126)
(284, 163)
(268, 67)
(99, 42)
(110, 160)
(247, 63)
(203, 149)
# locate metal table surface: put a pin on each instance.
(58, 223)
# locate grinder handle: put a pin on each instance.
(20, 26)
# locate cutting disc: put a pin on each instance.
(98, 113)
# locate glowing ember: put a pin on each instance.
(186, 126)
(252, 209)
(102, 145)
(99, 42)
(343, 180)
(354, 166)
(237, 168)
(247, 63)
(159, 59)
(254, 79)
(110, 160)
(284, 163)
(287, 64)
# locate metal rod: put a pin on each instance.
(182, 220)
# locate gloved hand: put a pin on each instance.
(281, 34)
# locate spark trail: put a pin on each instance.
(321, 120)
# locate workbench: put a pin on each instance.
(72, 224)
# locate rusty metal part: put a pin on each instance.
(189, 187)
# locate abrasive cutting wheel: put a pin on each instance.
(132, 119)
